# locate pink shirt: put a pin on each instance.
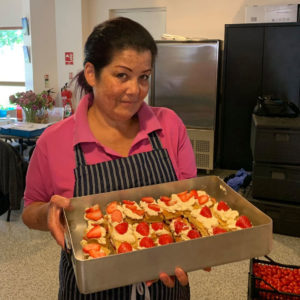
(51, 168)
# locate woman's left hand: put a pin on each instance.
(169, 281)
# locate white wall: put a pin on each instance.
(191, 18)
(59, 26)
(68, 37)
(42, 44)
(11, 13)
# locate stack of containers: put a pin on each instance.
(275, 144)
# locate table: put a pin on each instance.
(22, 132)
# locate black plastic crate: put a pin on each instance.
(285, 216)
(259, 288)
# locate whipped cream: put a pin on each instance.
(201, 193)
(173, 208)
(226, 215)
(188, 205)
(149, 211)
(208, 223)
(128, 236)
(129, 213)
(231, 224)
(160, 232)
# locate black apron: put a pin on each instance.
(141, 169)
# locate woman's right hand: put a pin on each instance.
(55, 220)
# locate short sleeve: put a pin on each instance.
(38, 179)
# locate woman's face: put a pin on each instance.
(123, 84)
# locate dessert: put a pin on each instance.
(204, 199)
(129, 225)
(224, 214)
(114, 213)
(204, 220)
(182, 230)
(94, 215)
(122, 232)
(94, 250)
(142, 230)
(160, 228)
(132, 211)
(187, 201)
(170, 206)
(153, 212)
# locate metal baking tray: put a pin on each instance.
(128, 268)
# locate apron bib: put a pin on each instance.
(138, 170)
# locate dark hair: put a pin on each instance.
(109, 37)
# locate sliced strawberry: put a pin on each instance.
(116, 216)
(184, 196)
(122, 227)
(128, 202)
(92, 246)
(178, 226)
(124, 247)
(165, 199)
(93, 208)
(157, 226)
(147, 242)
(130, 206)
(143, 229)
(137, 211)
(243, 222)
(222, 206)
(194, 193)
(96, 254)
(154, 207)
(148, 199)
(111, 207)
(203, 199)
(218, 230)
(193, 234)
(165, 239)
(205, 212)
(94, 215)
(95, 232)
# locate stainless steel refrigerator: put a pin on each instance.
(185, 79)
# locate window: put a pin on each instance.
(12, 66)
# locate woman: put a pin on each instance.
(114, 141)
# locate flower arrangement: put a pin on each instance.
(34, 105)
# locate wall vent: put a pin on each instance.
(203, 146)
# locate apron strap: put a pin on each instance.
(79, 157)
(155, 141)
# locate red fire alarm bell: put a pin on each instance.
(69, 57)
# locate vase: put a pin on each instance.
(36, 116)
(30, 115)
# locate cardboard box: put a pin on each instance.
(132, 267)
(272, 13)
